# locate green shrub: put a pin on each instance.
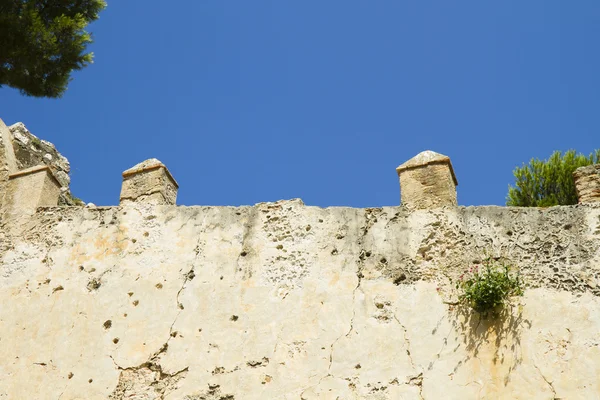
(36, 142)
(549, 182)
(487, 287)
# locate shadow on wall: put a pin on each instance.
(492, 344)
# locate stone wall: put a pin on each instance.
(427, 181)
(285, 301)
(30, 151)
(587, 183)
(148, 300)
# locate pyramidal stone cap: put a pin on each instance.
(149, 165)
(427, 157)
(427, 181)
(149, 182)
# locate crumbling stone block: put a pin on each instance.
(149, 182)
(587, 183)
(427, 181)
(31, 188)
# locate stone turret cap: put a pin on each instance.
(148, 165)
(427, 157)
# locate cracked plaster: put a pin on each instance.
(284, 301)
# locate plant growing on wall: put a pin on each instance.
(549, 182)
(487, 287)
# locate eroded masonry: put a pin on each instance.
(149, 300)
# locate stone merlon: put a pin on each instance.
(427, 181)
(149, 182)
(587, 183)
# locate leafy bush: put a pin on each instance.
(549, 182)
(487, 287)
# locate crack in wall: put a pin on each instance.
(370, 220)
(368, 241)
(416, 380)
(150, 376)
(550, 385)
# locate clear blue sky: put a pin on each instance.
(250, 101)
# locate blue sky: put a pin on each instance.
(250, 101)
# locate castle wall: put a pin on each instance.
(285, 301)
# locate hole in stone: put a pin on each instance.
(399, 279)
(243, 254)
(159, 286)
(94, 284)
(116, 340)
(234, 318)
(70, 375)
(136, 302)
(107, 324)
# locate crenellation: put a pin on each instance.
(427, 181)
(282, 300)
(149, 182)
(587, 183)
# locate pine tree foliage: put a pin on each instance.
(43, 41)
(549, 182)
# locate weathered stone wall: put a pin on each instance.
(427, 181)
(284, 301)
(30, 151)
(587, 183)
(148, 182)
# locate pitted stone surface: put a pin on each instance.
(587, 183)
(285, 301)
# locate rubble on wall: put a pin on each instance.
(31, 151)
